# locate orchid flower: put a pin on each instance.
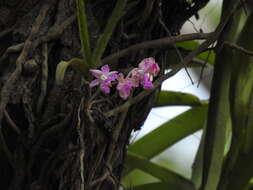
(143, 75)
(147, 69)
(125, 86)
(103, 78)
(149, 65)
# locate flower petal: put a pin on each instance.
(146, 63)
(105, 69)
(149, 65)
(146, 83)
(94, 83)
(96, 73)
(124, 90)
(155, 69)
(105, 89)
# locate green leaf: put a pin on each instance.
(240, 155)
(75, 63)
(164, 174)
(207, 56)
(110, 26)
(172, 98)
(197, 166)
(191, 45)
(83, 30)
(170, 132)
(219, 110)
(188, 45)
(157, 186)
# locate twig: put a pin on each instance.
(211, 39)
(239, 48)
(52, 34)
(82, 151)
(100, 179)
(11, 123)
(112, 177)
(4, 148)
(11, 49)
(46, 134)
(174, 45)
(9, 85)
(155, 44)
(144, 93)
(35, 28)
(98, 161)
(44, 78)
(203, 67)
(55, 32)
(112, 145)
(31, 119)
(6, 31)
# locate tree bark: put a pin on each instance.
(58, 137)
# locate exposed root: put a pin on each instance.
(44, 78)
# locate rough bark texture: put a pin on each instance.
(59, 138)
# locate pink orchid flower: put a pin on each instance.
(125, 86)
(149, 65)
(103, 78)
(144, 74)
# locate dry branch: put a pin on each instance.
(155, 44)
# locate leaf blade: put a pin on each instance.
(109, 28)
(83, 30)
(76, 63)
(170, 132)
(172, 98)
(191, 45)
(164, 174)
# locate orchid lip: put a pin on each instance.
(103, 77)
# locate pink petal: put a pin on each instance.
(124, 90)
(133, 82)
(146, 83)
(120, 77)
(96, 73)
(154, 69)
(94, 83)
(113, 72)
(146, 63)
(123, 95)
(105, 88)
(113, 76)
(105, 69)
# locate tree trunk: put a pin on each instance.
(57, 136)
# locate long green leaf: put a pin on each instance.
(240, 156)
(83, 30)
(170, 132)
(197, 166)
(165, 175)
(218, 113)
(110, 26)
(172, 98)
(157, 186)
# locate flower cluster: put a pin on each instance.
(141, 76)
